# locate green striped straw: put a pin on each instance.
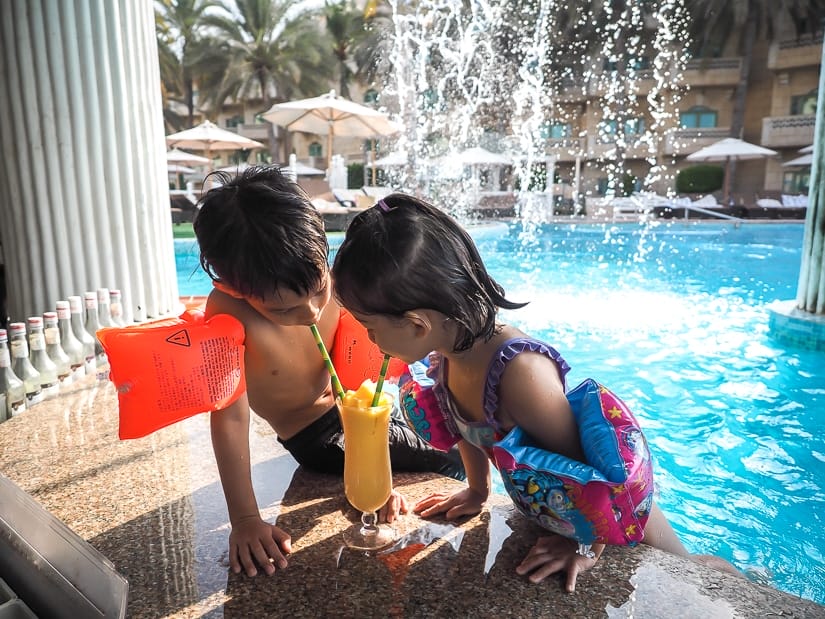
(336, 384)
(380, 384)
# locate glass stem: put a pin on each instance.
(369, 524)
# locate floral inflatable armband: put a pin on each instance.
(423, 411)
(606, 500)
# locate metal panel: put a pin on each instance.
(49, 567)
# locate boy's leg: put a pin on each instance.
(409, 452)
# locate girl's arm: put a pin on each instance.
(531, 396)
(467, 502)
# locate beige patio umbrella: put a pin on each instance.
(331, 115)
(727, 150)
(176, 156)
(208, 137)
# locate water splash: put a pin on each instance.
(557, 89)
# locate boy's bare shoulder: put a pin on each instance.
(219, 302)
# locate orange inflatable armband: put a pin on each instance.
(355, 357)
(174, 368)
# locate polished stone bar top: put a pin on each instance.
(155, 508)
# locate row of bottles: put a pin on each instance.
(59, 348)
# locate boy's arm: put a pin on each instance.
(253, 542)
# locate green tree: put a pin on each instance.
(269, 52)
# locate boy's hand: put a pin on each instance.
(556, 554)
(254, 544)
(467, 502)
(395, 506)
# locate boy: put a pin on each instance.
(264, 246)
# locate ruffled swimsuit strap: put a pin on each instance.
(506, 353)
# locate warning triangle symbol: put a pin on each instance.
(181, 338)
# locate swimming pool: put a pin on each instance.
(674, 318)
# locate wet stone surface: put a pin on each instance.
(155, 508)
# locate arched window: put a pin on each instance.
(698, 117)
(609, 128)
(371, 96)
(316, 150)
(234, 121)
(804, 104)
(556, 131)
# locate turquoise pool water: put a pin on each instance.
(674, 319)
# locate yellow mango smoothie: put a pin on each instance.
(367, 471)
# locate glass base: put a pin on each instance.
(368, 534)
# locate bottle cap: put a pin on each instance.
(35, 322)
(49, 316)
(102, 295)
(114, 293)
(76, 304)
(16, 328)
(3, 336)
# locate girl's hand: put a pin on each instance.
(254, 543)
(468, 502)
(395, 506)
(556, 554)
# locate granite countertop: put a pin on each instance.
(155, 508)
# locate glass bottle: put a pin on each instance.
(12, 391)
(116, 308)
(40, 358)
(72, 346)
(88, 342)
(22, 366)
(104, 312)
(54, 348)
(92, 327)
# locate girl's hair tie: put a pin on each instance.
(384, 207)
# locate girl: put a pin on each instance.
(415, 280)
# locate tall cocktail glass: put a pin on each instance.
(367, 470)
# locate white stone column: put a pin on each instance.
(810, 295)
(84, 200)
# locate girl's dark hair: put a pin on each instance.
(406, 254)
(259, 232)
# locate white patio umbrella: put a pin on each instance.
(727, 150)
(176, 168)
(181, 156)
(807, 149)
(301, 169)
(390, 160)
(478, 156)
(208, 137)
(804, 160)
(331, 115)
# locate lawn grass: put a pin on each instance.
(183, 231)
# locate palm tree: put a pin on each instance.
(267, 52)
(347, 31)
(180, 33)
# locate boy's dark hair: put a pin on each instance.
(407, 254)
(259, 232)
